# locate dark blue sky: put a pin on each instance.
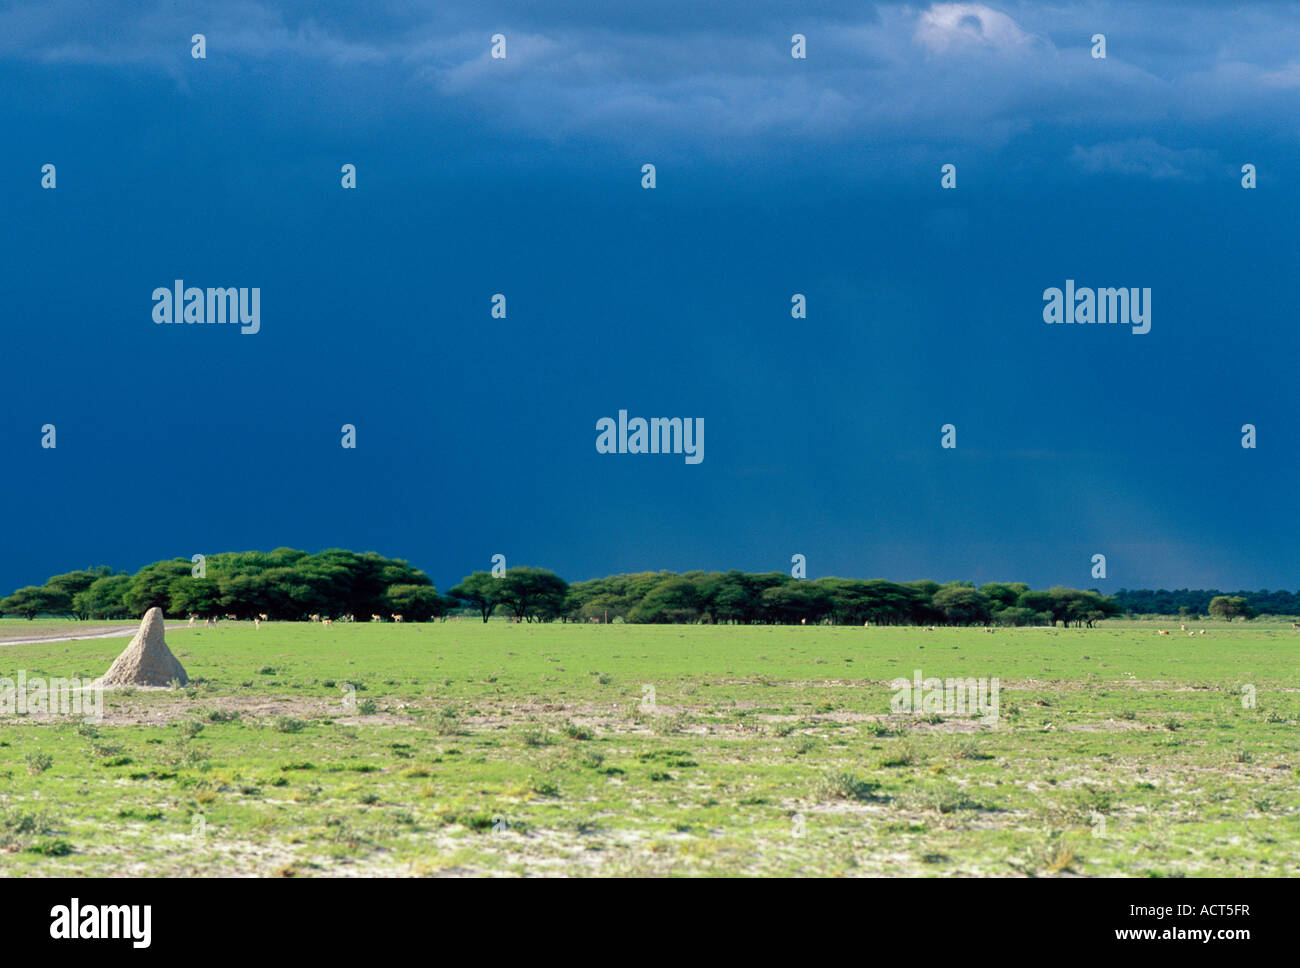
(775, 176)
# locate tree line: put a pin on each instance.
(287, 584)
(1191, 603)
(282, 584)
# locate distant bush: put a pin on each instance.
(288, 724)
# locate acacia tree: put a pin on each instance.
(202, 596)
(151, 586)
(797, 602)
(416, 603)
(675, 600)
(961, 604)
(481, 590)
(74, 583)
(531, 593)
(738, 596)
(103, 599)
(1230, 606)
(33, 600)
(1003, 594)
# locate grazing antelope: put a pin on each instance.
(209, 622)
(1191, 635)
(1183, 627)
(328, 622)
(1163, 632)
(1202, 631)
(264, 617)
(314, 618)
(397, 618)
(257, 623)
(1295, 626)
(191, 620)
(803, 621)
(376, 618)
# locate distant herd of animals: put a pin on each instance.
(327, 622)
(209, 623)
(263, 617)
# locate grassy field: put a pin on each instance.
(465, 749)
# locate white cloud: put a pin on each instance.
(1143, 157)
(950, 73)
(946, 26)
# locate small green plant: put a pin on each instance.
(904, 754)
(38, 763)
(543, 786)
(189, 757)
(804, 744)
(969, 749)
(535, 736)
(288, 724)
(448, 722)
(51, 848)
(1054, 855)
(844, 786)
(17, 827)
(946, 798)
(669, 725)
(574, 731)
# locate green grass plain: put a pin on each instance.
(503, 749)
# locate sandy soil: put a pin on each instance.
(83, 632)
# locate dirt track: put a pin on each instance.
(94, 632)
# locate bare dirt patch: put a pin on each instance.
(153, 707)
